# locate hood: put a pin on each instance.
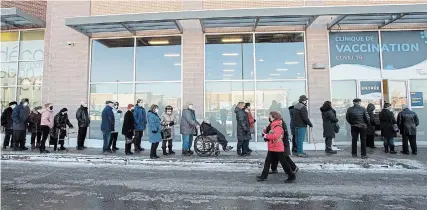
(324, 110)
(299, 106)
(370, 108)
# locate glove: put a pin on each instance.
(119, 111)
(155, 131)
(171, 123)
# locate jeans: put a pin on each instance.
(355, 132)
(388, 141)
(300, 133)
(106, 136)
(187, 141)
(81, 136)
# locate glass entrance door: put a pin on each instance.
(397, 94)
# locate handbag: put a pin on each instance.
(395, 128)
(166, 133)
(336, 127)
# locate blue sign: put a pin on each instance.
(370, 88)
(417, 100)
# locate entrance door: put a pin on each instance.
(396, 93)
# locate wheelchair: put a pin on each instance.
(205, 146)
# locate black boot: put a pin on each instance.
(392, 149)
(164, 151)
(291, 178)
(385, 148)
(170, 151)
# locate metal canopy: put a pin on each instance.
(16, 18)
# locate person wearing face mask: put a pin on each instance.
(140, 117)
(155, 130)
(59, 131)
(243, 130)
(83, 121)
(20, 124)
(300, 121)
(107, 125)
(46, 125)
(168, 120)
(6, 123)
(34, 127)
(389, 129)
(188, 128)
(128, 129)
(115, 134)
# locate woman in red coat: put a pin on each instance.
(276, 149)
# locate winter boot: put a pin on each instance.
(261, 178)
(33, 146)
(392, 149)
(385, 148)
(164, 151)
(38, 145)
(291, 178)
(170, 151)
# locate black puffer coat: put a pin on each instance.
(329, 117)
(82, 117)
(60, 123)
(243, 127)
(371, 127)
(387, 121)
(128, 125)
(357, 116)
(6, 118)
(300, 116)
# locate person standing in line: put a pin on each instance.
(358, 119)
(243, 130)
(250, 117)
(388, 126)
(140, 117)
(83, 121)
(370, 134)
(61, 122)
(20, 124)
(128, 129)
(34, 121)
(233, 122)
(301, 121)
(115, 134)
(155, 130)
(168, 121)
(6, 123)
(329, 117)
(188, 128)
(224, 115)
(276, 148)
(107, 125)
(46, 125)
(294, 141)
(408, 121)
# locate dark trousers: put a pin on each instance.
(288, 159)
(328, 143)
(37, 135)
(355, 133)
(45, 131)
(168, 142)
(138, 137)
(271, 156)
(81, 136)
(113, 140)
(153, 152)
(128, 146)
(19, 138)
(412, 140)
(61, 140)
(294, 144)
(8, 137)
(370, 140)
(243, 146)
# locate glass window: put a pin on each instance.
(7, 96)
(9, 46)
(371, 92)
(280, 56)
(8, 73)
(112, 60)
(397, 94)
(343, 93)
(221, 99)
(32, 45)
(420, 86)
(158, 59)
(30, 72)
(229, 57)
(33, 93)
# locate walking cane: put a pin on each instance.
(314, 142)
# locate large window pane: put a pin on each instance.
(8, 73)
(420, 86)
(221, 99)
(158, 59)
(112, 60)
(30, 73)
(32, 45)
(276, 96)
(229, 57)
(99, 94)
(7, 95)
(343, 93)
(280, 56)
(33, 93)
(9, 46)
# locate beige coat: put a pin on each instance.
(166, 119)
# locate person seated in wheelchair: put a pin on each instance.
(208, 130)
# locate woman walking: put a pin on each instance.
(128, 129)
(154, 125)
(168, 121)
(329, 117)
(388, 128)
(46, 125)
(276, 148)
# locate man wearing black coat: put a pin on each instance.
(128, 129)
(300, 122)
(6, 123)
(20, 124)
(83, 122)
(358, 118)
(407, 121)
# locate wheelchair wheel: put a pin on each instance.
(204, 147)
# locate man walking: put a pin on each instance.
(358, 118)
(6, 123)
(20, 124)
(407, 121)
(140, 117)
(83, 120)
(300, 121)
(107, 125)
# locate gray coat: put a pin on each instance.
(243, 127)
(165, 119)
(188, 122)
(20, 117)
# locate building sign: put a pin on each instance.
(417, 100)
(354, 55)
(370, 90)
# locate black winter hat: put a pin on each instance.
(64, 110)
(247, 105)
(357, 100)
(13, 103)
(25, 100)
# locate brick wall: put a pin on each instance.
(34, 8)
(134, 6)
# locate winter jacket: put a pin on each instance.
(188, 122)
(300, 116)
(243, 127)
(107, 122)
(251, 120)
(140, 117)
(371, 127)
(34, 122)
(166, 119)
(291, 123)
(357, 116)
(387, 121)
(275, 137)
(407, 121)
(285, 137)
(117, 115)
(61, 122)
(47, 118)
(154, 127)
(6, 118)
(128, 127)
(82, 117)
(329, 117)
(20, 117)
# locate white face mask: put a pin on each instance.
(25, 104)
(156, 110)
(141, 104)
(13, 106)
(64, 112)
(111, 105)
(190, 106)
(169, 112)
(84, 105)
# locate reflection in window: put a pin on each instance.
(9, 46)
(112, 60)
(33, 93)
(229, 57)
(158, 59)
(280, 56)
(31, 45)
(397, 94)
(343, 93)
(7, 96)
(30, 73)
(8, 73)
(420, 86)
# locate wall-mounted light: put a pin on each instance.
(158, 42)
(230, 40)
